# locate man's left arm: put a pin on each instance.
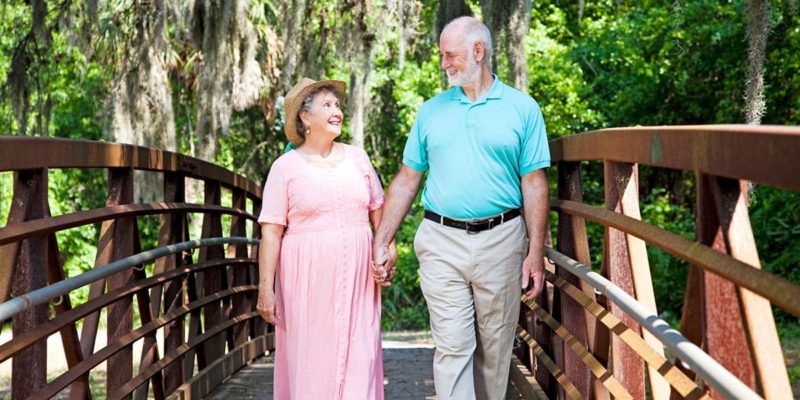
(536, 206)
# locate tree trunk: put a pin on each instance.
(141, 101)
(359, 96)
(361, 37)
(293, 16)
(758, 13)
(449, 10)
(516, 34)
(230, 78)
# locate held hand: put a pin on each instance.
(380, 255)
(533, 268)
(392, 261)
(266, 306)
(379, 274)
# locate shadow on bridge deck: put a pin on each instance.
(408, 375)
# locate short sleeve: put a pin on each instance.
(535, 150)
(415, 154)
(275, 205)
(375, 189)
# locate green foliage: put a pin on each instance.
(403, 305)
(6, 193)
(72, 191)
(668, 273)
(775, 218)
(556, 80)
(651, 63)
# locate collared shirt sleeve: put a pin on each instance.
(535, 150)
(415, 154)
(275, 205)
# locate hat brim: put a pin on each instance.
(294, 101)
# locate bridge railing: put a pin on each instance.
(587, 345)
(197, 323)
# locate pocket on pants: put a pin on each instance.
(418, 241)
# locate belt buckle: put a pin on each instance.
(472, 225)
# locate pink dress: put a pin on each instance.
(327, 332)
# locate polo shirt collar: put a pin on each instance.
(494, 92)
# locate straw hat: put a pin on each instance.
(294, 100)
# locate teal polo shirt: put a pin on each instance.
(476, 152)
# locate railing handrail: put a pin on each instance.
(763, 154)
(25, 153)
(701, 363)
(43, 295)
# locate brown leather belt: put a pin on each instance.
(473, 225)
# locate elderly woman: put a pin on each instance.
(315, 257)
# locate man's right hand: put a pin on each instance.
(380, 265)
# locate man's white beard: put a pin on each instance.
(469, 76)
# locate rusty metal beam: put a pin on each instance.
(683, 385)
(764, 154)
(213, 280)
(29, 272)
(240, 303)
(626, 365)
(190, 389)
(125, 341)
(18, 153)
(63, 320)
(119, 316)
(569, 388)
(778, 290)
(598, 370)
(24, 230)
(173, 230)
(573, 242)
(79, 389)
(726, 224)
(204, 382)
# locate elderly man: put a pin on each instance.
(484, 146)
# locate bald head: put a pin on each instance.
(469, 30)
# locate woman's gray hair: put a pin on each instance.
(301, 129)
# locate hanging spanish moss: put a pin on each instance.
(229, 78)
(758, 13)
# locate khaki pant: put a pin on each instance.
(471, 283)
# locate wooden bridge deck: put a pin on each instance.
(408, 375)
